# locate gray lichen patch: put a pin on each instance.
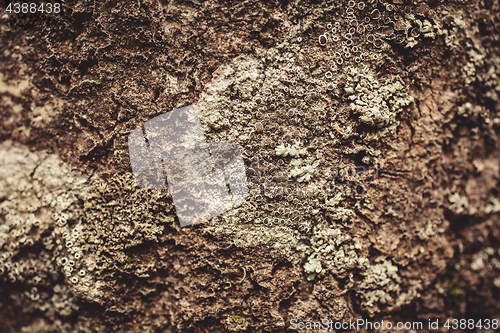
(382, 279)
(309, 86)
(39, 213)
(55, 224)
(332, 251)
(13, 88)
(303, 170)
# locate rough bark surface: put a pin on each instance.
(369, 132)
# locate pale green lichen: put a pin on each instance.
(312, 267)
(432, 28)
(235, 323)
(380, 281)
(428, 231)
(493, 206)
(124, 215)
(41, 207)
(377, 104)
(294, 150)
(335, 200)
(333, 251)
(428, 29)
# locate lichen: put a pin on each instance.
(460, 203)
(286, 116)
(120, 216)
(342, 87)
(303, 170)
(40, 210)
(493, 206)
(377, 105)
(379, 282)
(331, 250)
(235, 323)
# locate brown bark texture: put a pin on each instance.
(369, 131)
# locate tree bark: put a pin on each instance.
(369, 132)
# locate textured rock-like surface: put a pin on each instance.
(370, 135)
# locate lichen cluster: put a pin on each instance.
(333, 249)
(306, 90)
(40, 210)
(290, 109)
(120, 216)
(60, 233)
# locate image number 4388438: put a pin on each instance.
(33, 8)
(23, 16)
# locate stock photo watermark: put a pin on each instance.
(208, 179)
